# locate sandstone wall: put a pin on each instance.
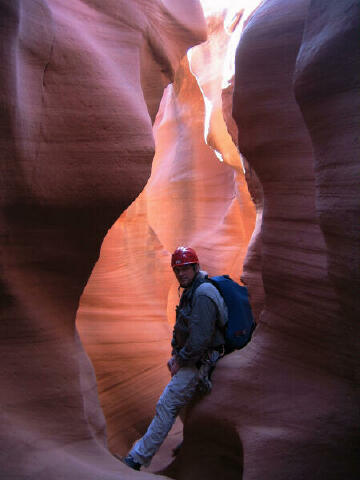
(80, 85)
(327, 91)
(287, 405)
(80, 82)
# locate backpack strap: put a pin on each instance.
(207, 288)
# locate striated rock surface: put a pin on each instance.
(80, 85)
(127, 309)
(327, 89)
(287, 405)
(80, 82)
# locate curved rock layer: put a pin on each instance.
(287, 405)
(327, 90)
(127, 309)
(80, 82)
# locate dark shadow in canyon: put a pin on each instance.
(212, 449)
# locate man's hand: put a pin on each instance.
(173, 366)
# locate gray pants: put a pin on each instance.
(177, 393)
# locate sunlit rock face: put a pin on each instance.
(80, 83)
(127, 310)
(286, 406)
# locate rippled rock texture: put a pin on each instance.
(287, 405)
(80, 83)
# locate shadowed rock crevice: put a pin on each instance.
(214, 451)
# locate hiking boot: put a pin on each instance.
(129, 461)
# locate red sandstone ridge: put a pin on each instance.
(80, 82)
(286, 407)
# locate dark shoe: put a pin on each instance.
(129, 461)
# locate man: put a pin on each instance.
(197, 344)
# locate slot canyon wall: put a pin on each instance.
(77, 150)
(80, 83)
(287, 405)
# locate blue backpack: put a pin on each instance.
(240, 324)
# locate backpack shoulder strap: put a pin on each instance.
(209, 289)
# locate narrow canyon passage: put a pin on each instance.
(129, 128)
(127, 310)
(191, 198)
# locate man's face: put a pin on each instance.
(185, 274)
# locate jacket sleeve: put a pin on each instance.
(202, 323)
(174, 346)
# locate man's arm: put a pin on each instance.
(172, 364)
(202, 327)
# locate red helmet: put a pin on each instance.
(183, 256)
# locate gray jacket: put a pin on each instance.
(200, 319)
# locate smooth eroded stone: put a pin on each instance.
(80, 82)
(286, 406)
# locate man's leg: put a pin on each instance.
(177, 394)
